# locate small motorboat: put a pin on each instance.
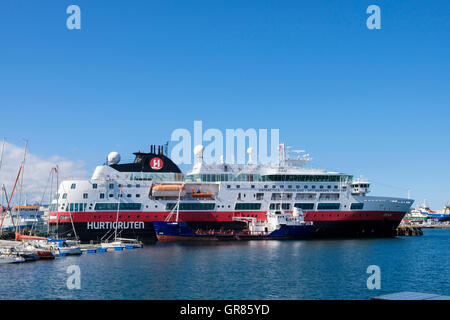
(65, 247)
(122, 243)
(6, 259)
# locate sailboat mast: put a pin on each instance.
(117, 215)
(57, 204)
(21, 186)
(1, 157)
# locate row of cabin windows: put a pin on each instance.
(306, 178)
(305, 206)
(257, 177)
(74, 207)
(247, 206)
(111, 195)
(310, 206)
(280, 206)
(114, 206)
(190, 206)
(111, 186)
(289, 187)
(328, 206)
(102, 195)
(78, 207)
(357, 206)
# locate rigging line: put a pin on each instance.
(10, 198)
(70, 213)
(46, 185)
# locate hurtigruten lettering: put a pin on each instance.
(112, 225)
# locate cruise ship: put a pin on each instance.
(126, 198)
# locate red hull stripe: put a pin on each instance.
(192, 216)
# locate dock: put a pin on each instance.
(408, 230)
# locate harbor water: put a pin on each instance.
(314, 269)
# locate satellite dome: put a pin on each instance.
(198, 151)
(113, 158)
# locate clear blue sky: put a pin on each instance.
(371, 102)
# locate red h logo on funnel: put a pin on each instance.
(156, 163)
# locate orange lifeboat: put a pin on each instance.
(168, 190)
(201, 194)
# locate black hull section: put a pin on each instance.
(355, 229)
(146, 233)
(94, 232)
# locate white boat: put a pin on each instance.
(4, 259)
(9, 255)
(122, 243)
(24, 217)
(68, 248)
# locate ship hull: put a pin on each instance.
(96, 231)
(356, 229)
(181, 231)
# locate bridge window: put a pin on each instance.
(73, 186)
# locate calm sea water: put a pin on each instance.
(317, 269)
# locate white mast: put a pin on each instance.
(117, 216)
(1, 157)
(21, 185)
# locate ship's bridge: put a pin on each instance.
(360, 186)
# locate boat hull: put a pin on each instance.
(181, 231)
(93, 231)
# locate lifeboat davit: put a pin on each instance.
(168, 190)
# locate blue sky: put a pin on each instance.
(371, 102)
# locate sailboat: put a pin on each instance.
(120, 243)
